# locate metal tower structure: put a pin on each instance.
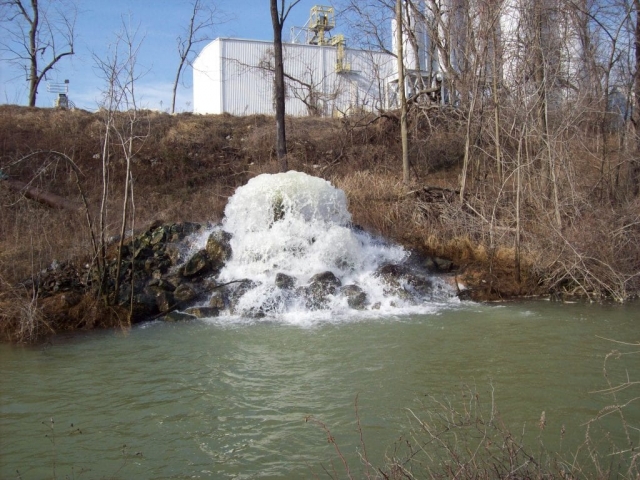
(317, 31)
(321, 21)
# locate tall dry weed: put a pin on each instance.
(21, 319)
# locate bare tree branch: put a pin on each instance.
(204, 17)
(43, 32)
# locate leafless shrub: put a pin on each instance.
(605, 454)
(464, 437)
(597, 257)
(21, 319)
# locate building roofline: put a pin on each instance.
(270, 42)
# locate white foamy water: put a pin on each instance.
(298, 225)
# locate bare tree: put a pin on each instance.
(279, 14)
(204, 17)
(306, 87)
(404, 136)
(369, 23)
(38, 34)
(635, 165)
(122, 135)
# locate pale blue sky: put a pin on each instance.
(160, 22)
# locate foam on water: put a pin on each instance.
(299, 225)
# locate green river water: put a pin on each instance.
(228, 399)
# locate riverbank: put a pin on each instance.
(503, 241)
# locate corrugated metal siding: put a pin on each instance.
(245, 82)
(371, 71)
(245, 88)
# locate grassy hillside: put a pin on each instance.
(185, 167)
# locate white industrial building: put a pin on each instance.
(236, 76)
(326, 78)
(560, 41)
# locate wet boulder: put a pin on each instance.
(272, 301)
(197, 265)
(218, 249)
(178, 317)
(394, 278)
(284, 281)
(159, 235)
(408, 284)
(254, 312)
(356, 297)
(418, 284)
(236, 290)
(158, 285)
(391, 274)
(179, 231)
(325, 283)
(172, 253)
(144, 305)
(203, 312)
(165, 302)
(185, 292)
(218, 300)
(320, 287)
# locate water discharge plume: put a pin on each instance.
(292, 239)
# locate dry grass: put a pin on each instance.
(375, 200)
(21, 318)
(187, 166)
(464, 437)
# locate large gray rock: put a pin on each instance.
(418, 284)
(198, 264)
(158, 285)
(218, 249)
(235, 291)
(159, 235)
(285, 281)
(144, 305)
(320, 287)
(218, 300)
(179, 231)
(404, 282)
(356, 297)
(391, 274)
(185, 292)
(325, 283)
(165, 301)
(173, 253)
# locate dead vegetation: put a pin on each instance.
(465, 437)
(188, 166)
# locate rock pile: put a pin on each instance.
(161, 277)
